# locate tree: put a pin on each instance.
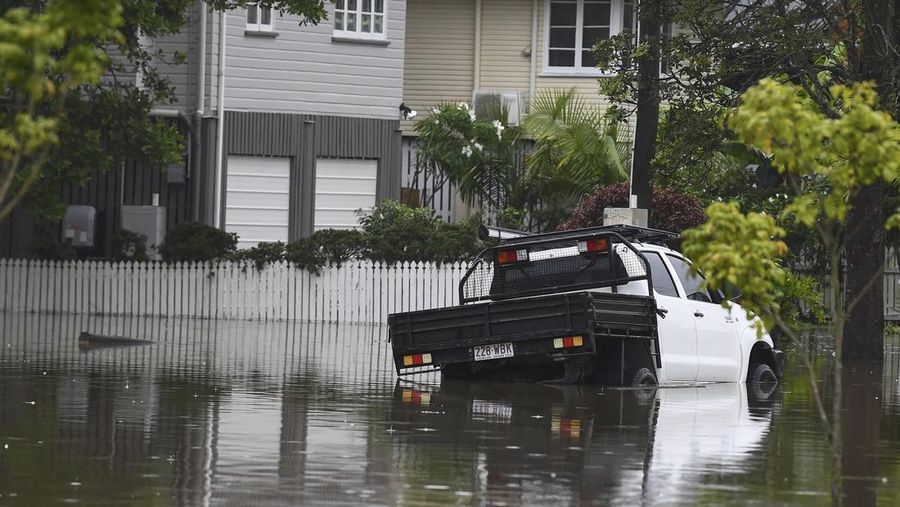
(651, 16)
(726, 47)
(477, 155)
(574, 151)
(44, 56)
(827, 162)
(88, 124)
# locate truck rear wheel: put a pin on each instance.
(643, 377)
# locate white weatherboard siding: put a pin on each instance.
(342, 187)
(302, 70)
(257, 199)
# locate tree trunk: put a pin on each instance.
(864, 246)
(649, 16)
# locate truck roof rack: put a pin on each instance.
(629, 232)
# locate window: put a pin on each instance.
(692, 283)
(659, 274)
(361, 19)
(574, 26)
(259, 19)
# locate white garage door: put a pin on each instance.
(343, 187)
(257, 199)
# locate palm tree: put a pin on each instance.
(574, 146)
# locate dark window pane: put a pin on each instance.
(596, 13)
(562, 37)
(563, 13)
(351, 5)
(662, 279)
(251, 14)
(379, 6)
(588, 60)
(367, 6)
(562, 58)
(690, 283)
(266, 16)
(339, 4)
(628, 17)
(592, 35)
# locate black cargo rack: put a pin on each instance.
(632, 233)
(486, 279)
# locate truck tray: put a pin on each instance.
(532, 325)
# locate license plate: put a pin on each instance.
(494, 351)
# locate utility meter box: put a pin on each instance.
(149, 221)
(80, 226)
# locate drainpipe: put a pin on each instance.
(220, 124)
(476, 75)
(196, 137)
(532, 83)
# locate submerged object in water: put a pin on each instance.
(91, 341)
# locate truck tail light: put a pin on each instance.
(568, 342)
(416, 360)
(511, 256)
(593, 245)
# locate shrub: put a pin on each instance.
(398, 233)
(454, 242)
(130, 246)
(191, 242)
(262, 254)
(670, 211)
(328, 246)
(395, 232)
(47, 244)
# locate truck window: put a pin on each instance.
(662, 279)
(692, 283)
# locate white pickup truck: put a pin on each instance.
(608, 305)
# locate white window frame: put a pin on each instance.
(259, 26)
(342, 10)
(616, 15)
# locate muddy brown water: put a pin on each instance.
(312, 414)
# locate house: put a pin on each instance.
(289, 128)
(456, 50)
(461, 50)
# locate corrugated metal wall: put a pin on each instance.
(306, 138)
(134, 184)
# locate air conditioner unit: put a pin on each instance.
(487, 103)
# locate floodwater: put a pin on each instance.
(311, 414)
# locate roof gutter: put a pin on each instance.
(196, 144)
(220, 123)
(532, 83)
(476, 71)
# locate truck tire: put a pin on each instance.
(643, 377)
(761, 380)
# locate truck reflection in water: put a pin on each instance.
(577, 443)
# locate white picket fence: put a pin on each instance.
(357, 292)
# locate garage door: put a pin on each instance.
(343, 187)
(257, 199)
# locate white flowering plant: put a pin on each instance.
(475, 152)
